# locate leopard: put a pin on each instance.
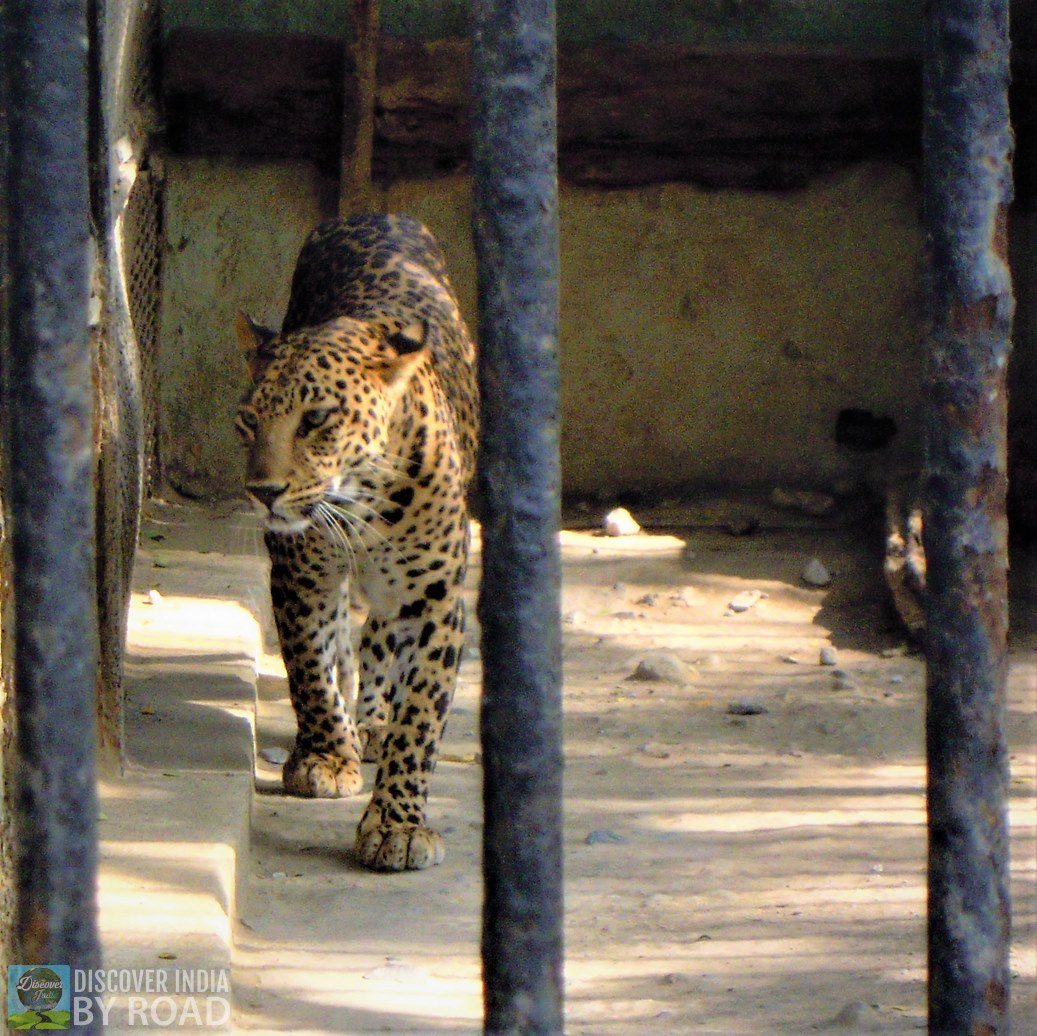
(360, 425)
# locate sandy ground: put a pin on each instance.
(725, 873)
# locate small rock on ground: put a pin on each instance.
(746, 707)
(855, 1015)
(654, 750)
(661, 667)
(604, 837)
(740, 524)
(276, 756)
(828, 656)
(815, 574)
(620, 522)
(745, 600)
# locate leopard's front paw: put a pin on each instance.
(398, 847)
(321, 775)
(372, 738)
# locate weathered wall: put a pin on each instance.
(707, 337)
(847, 24)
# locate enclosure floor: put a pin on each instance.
(726, 873)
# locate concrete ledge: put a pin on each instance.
(174, 827)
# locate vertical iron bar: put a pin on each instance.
(968, 187)
(515, 224)
(49, 409)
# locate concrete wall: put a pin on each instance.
(707, 337)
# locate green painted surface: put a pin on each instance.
(858, 25)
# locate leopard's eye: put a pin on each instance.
(247, 421)
(312, 419)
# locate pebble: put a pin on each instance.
(828, 656)
(573, 618)
(661, 667)
(842, 681)
(619, 587)
(648, 600)
(815, 574)
(620, 522)
(154, 597)
(602, 836)
(745, 600)
(276, 756)
(896, 678)
(740, 524)
(746, 707)
(855, 1013)
(654, 750)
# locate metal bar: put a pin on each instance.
(359, 90)
(968, 186)
(49, 403)
(515, 225)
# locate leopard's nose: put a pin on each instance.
(266, 492)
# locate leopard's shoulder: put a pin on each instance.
(389, 271)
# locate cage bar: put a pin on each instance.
(968, 186)
(515, 225)
(49, 409)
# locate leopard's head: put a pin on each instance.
(317, 418)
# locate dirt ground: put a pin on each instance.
(745, 839)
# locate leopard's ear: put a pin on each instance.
(410, 338)
(254, 341)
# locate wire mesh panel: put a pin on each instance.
(142, 258)
(127, 226)
(129, 114)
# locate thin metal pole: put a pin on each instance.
(515, 222)
(49, 406)
(968, 186)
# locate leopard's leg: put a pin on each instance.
(377, 659)
(346, 671)
(393, 834)
(308, 590)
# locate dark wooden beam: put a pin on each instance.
(628, 114)
(357, 144)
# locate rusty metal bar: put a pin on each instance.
(968, 186)
(50, 438)
(515, 225)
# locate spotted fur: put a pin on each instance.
(360, 426)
